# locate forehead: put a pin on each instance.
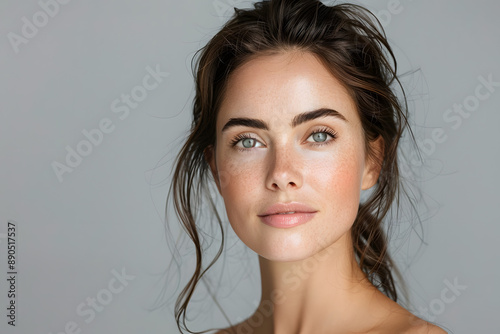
(282, 85)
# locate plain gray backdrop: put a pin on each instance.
(91, 252)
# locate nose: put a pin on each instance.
(284, 170)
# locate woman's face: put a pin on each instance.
(267, 153)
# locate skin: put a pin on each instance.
(311, 282)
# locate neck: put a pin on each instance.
(310, 295)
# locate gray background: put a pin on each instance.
(107, 214)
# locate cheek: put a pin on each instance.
(240, 180)
(235, 172)
(337, 180)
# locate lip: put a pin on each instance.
(287, 220)
(287, 207)
(272, 217)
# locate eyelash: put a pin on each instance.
(332, 134)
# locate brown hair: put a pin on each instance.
(351, 43)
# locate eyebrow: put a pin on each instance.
(297, 120)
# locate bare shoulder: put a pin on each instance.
(426, 328)
(400, 320)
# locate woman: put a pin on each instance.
(293, 116)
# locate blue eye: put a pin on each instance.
(247, 141)
(321, 136)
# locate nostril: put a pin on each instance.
(275, 185)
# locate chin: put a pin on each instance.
(289, 248)
(296, 243)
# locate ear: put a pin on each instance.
(373, 164)
(209, 154)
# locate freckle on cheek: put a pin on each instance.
(346, 182)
